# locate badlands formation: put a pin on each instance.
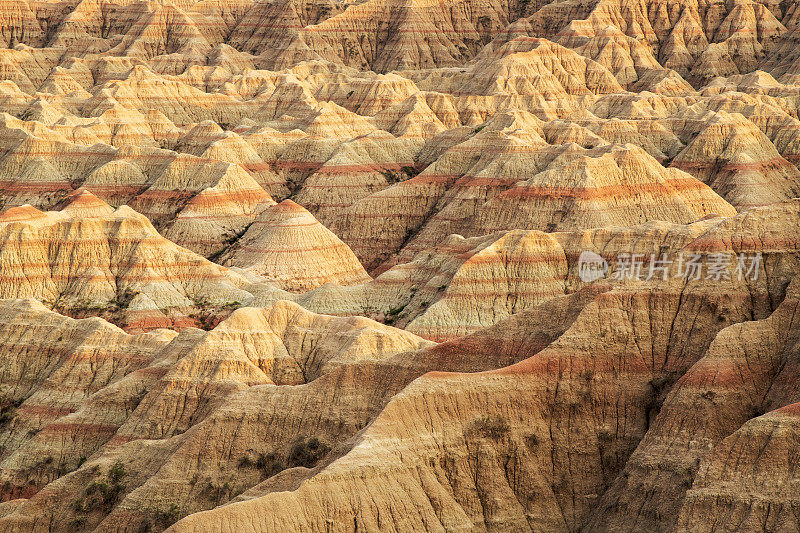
(321, 265)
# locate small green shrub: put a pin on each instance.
(102, 494)
(116, 472)
(167, 517)
(6, 414)
(605, 435)
(396, 310)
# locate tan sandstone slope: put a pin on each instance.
(315, 265)
(288, 245)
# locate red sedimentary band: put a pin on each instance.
(14, 493)
(33, 277)
(240, 193)
(289, 223)
(731, 373)
(533, 98)
(20, 213)
(26, 242)
(190, 217)
(606, 191)
(297, 250)
(322, 28)
(511, 257)
(108, 262)
(118, 440)
(442, 180)
(44, 410)
(559, 361)
(485, 181)
(8, 187)
(155, 371)
(81, 427)
(534, 295)
(216, 199)
(790, 410)
(255, 167)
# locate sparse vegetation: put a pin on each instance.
(307, 453)
(204, 316)
(216, 493)
(86, 306)
(116, 472)
(396, 310)
(268, 464)
(216, 255)
(124, 298)
(393, 177)
(167, 516)
(102, 494)
(494, 428)
(8, 410)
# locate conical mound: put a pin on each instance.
(286, 244)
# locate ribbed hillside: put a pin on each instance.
(287, 245)
(581, 404)
(399, 265)
(91, 259)
(96, 365)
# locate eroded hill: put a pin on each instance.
(316, 265)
